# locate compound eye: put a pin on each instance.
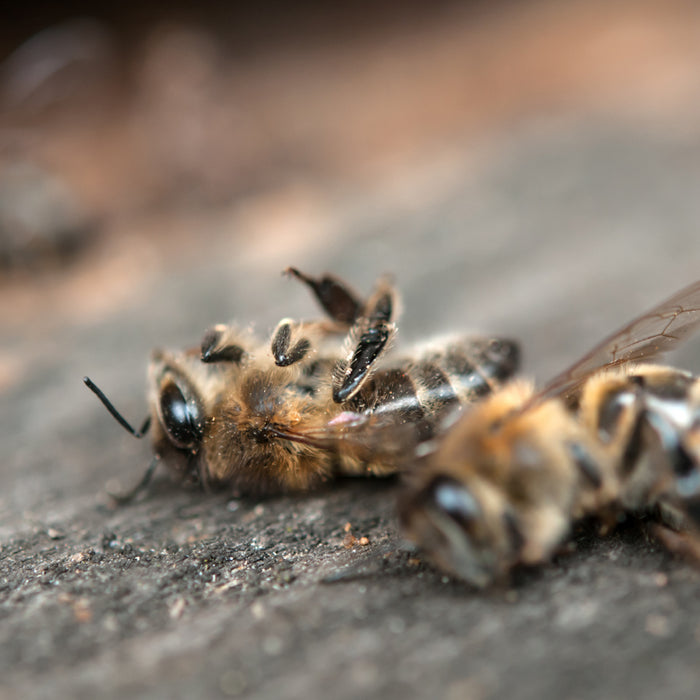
(180, 418)
(455, 500)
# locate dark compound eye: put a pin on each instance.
(610, 411)
(180, 418)
(454, 499)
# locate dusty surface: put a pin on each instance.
(552, 216)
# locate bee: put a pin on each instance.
(609, 436)
(288, 414)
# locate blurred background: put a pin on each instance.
(528, 168)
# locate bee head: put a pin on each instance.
(178, 412)
(177, 385)
(457, 529)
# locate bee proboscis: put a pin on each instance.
(285, 415)
(612, 435)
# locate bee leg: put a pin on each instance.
(284, 352)
(687, 485)
(683, 544)
(128, 496)
(336, 298)
(680, 500)
(368, 339)
(219, 345)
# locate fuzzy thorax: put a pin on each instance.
(244, 441)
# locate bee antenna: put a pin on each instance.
(118, 416)
(123, 498)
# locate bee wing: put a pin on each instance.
(645, 338)
(369, 437)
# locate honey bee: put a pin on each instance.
(605, 438)
(284, 416)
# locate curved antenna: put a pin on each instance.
(118, 416)
(122, 498)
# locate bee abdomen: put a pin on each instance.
(476, 366)
(425, 391)
(470, 377)
(418, 396)
(391, 392)
(435, 389)
(650, 416)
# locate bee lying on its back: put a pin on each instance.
(604, 438)
(290, 414)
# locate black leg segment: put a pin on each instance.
(335, 297)
(281, 340)
(368, 348)
(214, 350)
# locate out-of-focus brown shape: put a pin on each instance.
(41, 221)
(68, 65)
(189, 117)
(197, 120)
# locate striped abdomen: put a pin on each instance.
(648, 419)
(424, 391)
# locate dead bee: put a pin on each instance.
(605, 438)
(285, 416)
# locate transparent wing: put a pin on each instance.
(367, 436)
(645, 338)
